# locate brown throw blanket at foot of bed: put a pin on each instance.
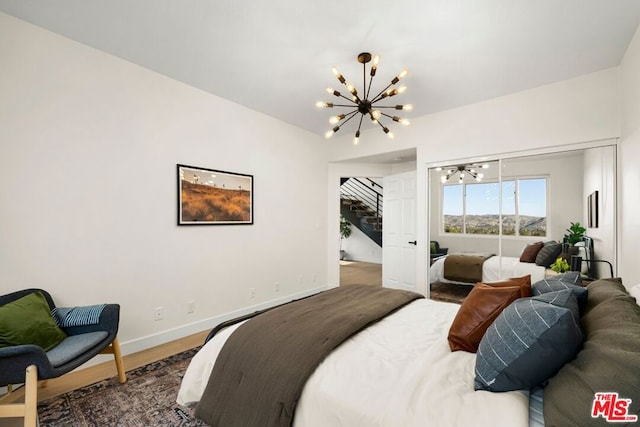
(465, 267)
(262, 368)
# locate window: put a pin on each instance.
(474, 208)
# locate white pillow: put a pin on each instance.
(635, 292)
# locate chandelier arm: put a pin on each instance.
(360, 124)
(364, 80)
(377, 97)
(344, 105)
(381, 125)
(350, 115)
(348, 99)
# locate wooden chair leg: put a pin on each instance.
(31, 397)
(114, 349)
(29, 409)
(122, 376)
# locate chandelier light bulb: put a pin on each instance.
(329, 134)
(402, 89)
(356, 139)
(438, 169)
(403, 74)
(443, 179)
(376, 114)
(332, 91)
(407, 107)
(485, 166)
(336, 119)
(480, 175)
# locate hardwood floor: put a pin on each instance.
(356, 272)
(90, 375)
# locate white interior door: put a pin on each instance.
(399, 231)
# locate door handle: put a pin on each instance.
(415, 242)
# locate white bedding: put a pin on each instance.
(398, 372)
(494, 269)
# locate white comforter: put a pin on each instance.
(398, 372)
(494, 269)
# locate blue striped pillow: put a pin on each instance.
(529, 342)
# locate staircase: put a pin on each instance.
(361, 205)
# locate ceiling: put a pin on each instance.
(276, 57)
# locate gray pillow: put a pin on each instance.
(548, 254)
(569, 280)
(529, 342)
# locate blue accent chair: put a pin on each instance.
(26, 364)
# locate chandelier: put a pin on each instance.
(462, 170)
(363, 103)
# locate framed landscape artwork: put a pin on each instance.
(214, 197)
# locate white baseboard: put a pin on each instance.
(149, 341)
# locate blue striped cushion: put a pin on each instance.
(529, 342)
(66, 317)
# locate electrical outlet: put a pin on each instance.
(191, 306)
(276, 286)
(252, 292)
(158, 313)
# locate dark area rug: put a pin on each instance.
(148, 398)
(449, 292)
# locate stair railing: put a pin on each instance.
(365, 192)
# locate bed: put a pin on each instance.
(494, 269)
(400, 372)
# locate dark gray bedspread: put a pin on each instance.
(262, 368)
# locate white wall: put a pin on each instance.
(629, 230)
(359, 247)
(559, 114)
(600, 175)
(88, 150)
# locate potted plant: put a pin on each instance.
(345, 232)
(560, 265)
(575, 233)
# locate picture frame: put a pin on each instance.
(214, 197)
(592, 207)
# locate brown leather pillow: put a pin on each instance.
(523, 282)
(530, 252)
(477, 312)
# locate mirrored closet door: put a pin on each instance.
(495, 209)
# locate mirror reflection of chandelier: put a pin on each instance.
(462, 171)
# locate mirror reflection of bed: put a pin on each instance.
(534, 198)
